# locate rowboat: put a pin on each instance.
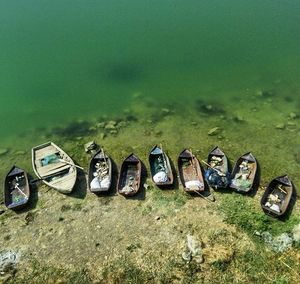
(160, 168)
(54, 167)
(217, 174)
(100, 173)
(190, 172)
(130, 176)
(244, 173)
(277, 196)
(16, 189)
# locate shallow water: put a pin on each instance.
(231, 64)
(62, 61)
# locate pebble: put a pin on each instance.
(213, 131)
(113, 132)
(280, 126)
(3, 151)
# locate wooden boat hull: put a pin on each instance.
(130, 176)
(60, 174)
(213, 178)
(251, 160)
(287, 185)
(16, 189)
(98, 158)
(155, 154)
(189, 168)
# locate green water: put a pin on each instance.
(66, 60)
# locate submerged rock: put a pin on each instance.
(3, 151)
(214, 131)
(280, 126)
(292, 115)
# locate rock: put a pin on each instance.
(292, 115)
(208, 107)
(102, 135)
(194, 123)
(214, 131)
(29, 218)
(136, 95)
(121, 124)
(238, 118)
(278, 244)
(113, 132)
(165, 111)
(8, 261)
(146, 186)
(65, 207)
(100, 125)
(280, 126)
(292, 124)
(3, 151)
(90, 146)
(193, 250)
(92, 128)
(111, 125)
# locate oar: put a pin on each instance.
(218, 171)
(17, 187)
(163, 155)
(64, 161)
(204, 197)
(102, 151)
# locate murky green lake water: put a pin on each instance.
(64, 60)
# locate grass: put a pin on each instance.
(40, 273)
(244, 212)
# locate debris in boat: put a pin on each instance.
(279, 243)
(3, 151)
(8, 261)
(193, 250)
(280, 126)
(90, 146)
(100, 172)
(244, 173)
(214, 131)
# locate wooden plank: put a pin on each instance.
(52, 169)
